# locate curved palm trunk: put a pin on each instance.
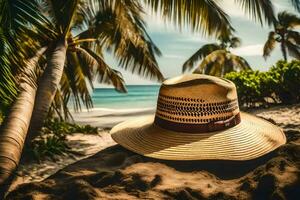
(15, 127)
(47, 87)
(13, 135)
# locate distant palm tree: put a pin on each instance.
(216, 58)
(221, 62)
(285, 34)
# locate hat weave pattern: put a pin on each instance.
(187, 110)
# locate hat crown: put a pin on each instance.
(197, 99)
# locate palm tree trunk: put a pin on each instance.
(283, 49)
(15, 127)
(47, 87)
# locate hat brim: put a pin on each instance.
(252, 138)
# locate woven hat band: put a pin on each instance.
(198, 128)
(194, 111)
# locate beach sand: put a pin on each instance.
(115, 173)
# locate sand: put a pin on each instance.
(116, 173)
(82, 146)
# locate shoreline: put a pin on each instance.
(106, 118)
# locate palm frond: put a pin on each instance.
(288, 20)
(85, 64)
(260, 10)
(62, 97)
(296, 4)
(64, 14)
(25, 29)
(293, 36)
(8, 89)
(104, 73)
(60, 106)
(18, 14)
(120, 28)
(15, 49)
(201, 53)
(202, 15)
(2, 41)
(77, 82)
(71, 15)
(86, 12)
(269, 45)
(294, 50)
(238, 63)
(235, 42)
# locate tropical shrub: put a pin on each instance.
(52, 140)
(281, 84)
(61, 127)
(248, 86)
(47, 147)
(288, 81)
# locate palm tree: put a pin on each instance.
(70, 60)
(216, 57)
(221, 62)
(17, 83)
(14, 129)
(284, 34)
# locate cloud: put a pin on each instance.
(249, 50)
(232, 8)
(190, 37)
(172, 56)
(280, 5)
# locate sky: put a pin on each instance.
(177, 46)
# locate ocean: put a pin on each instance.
(112, 107)
(138, 96)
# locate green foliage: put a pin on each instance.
(59, 127)
(288, 81)
(48, 147)
(281, 84)
(52, 140)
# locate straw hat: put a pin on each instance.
(198, 118)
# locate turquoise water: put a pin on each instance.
(138, 96)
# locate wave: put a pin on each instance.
(112, 110)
